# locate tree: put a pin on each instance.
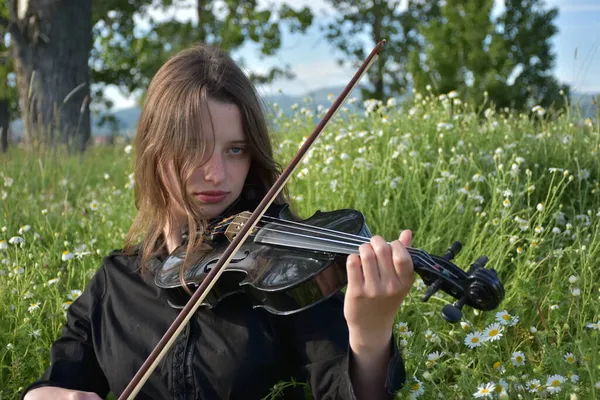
(129, 57)
(465, 50)
(8, 92)
(51, 42)
(379, 19)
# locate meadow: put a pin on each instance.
(521, 189)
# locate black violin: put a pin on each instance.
(288, 265)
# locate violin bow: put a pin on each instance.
(210, 280)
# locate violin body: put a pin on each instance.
(273, 277)
(289, 265)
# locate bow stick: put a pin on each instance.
(209, 281)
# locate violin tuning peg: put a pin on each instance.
(435, 286)
(479, 263)
(452, 312)
(452, 251)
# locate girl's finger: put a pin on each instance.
(368, 259)
(385, 264)
(355, 273)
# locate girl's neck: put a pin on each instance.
(173, 237)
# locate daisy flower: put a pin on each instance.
(570, 358)
(534, 386)
(33, 307)
(503, 317)
(74, 294)
(493, 332)
(518, 358)
(474, 339)
(416, 389)
(485, 390)
(553, 383)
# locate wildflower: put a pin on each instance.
(506, 203)
(576, 292)
(503, 317)
(570, 358)
(16, 240)
(478, 178)
(3, 245)
(24, 228)
(94, 205)
(540, 207)
(553, 383)
(33, 307)
(573, 377)
(498, 366)
(473, 340)
(66, 304)
(66, 255)
(402, 328)
(128, 149)
(36, 333)
(433, 358)
(74, 294)
(416, 389)
(493, 332)
(485, 390)
(534, 386)
(465, 325)
(573, 279)
(518, 358)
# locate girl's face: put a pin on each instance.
(220, 179)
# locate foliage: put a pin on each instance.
(378, 20)
(510, 58)
(8, 89)
(523, 190)
(128, 56)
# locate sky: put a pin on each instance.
(313, 60)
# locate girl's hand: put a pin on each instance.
(378, 281)
(56, 393)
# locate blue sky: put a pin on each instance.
(577, 49)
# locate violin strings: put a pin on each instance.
(330, 243)
(317, 229)
(417, 254)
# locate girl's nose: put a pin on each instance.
(214, 169)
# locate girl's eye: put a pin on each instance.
(237, 150)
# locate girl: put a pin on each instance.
(202, 153)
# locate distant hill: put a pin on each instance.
(127, 118)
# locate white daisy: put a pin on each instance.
(493, 332)
(474, 339)
(485, 390)
(518, 358)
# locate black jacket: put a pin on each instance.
(232, 351)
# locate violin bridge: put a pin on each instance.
(236, 225)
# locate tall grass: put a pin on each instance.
(522, 189)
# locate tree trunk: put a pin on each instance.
(52, 44)
(4, 124)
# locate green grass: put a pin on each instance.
(523, 190)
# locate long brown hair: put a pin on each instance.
(170, 131)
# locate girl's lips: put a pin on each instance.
(209, 197)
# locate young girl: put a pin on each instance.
(203, 153)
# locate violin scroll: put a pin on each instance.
(479, 288)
